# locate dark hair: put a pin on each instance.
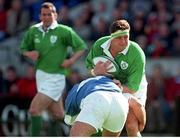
(49, 5)
(119, 25)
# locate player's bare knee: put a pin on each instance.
(58, 115)
(34, 111)
(141, 127)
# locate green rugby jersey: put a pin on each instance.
(51, 45)
(131, 62)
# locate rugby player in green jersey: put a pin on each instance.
(131, 76)
(46, 43)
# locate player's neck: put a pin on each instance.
(45, 28)
(114, 51)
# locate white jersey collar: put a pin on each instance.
(52, 26)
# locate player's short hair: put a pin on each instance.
(119, 25)
(49, 5)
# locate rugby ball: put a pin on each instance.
(113, 67)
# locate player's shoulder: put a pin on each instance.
(136, 49)
(64, 27)
(102, 40)
(33, 28)
(135, 46)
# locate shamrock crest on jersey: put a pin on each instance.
(124, 65)
(53, 39)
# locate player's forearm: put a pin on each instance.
(27, 53)
(31, 54)
(77, 55)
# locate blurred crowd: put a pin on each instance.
(163, 93)
(15, 86)
(155, 25)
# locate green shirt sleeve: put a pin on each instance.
(136, 73)
(95, 51)
(27, 42)
(89, 58)
(75, 41)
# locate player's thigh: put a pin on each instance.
(138, 109)
(56, 109)
(132, 121)
(39, 103)
(51, 85)
(143, 123)
(82, 129)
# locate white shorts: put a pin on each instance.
(106, 110)
(51, 85)
(141, 94)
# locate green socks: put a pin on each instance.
(36, 126)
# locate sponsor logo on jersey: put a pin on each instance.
(124, 65)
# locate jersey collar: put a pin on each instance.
(52, 26)
(106, 46)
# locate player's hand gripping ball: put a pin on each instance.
(113, 67)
